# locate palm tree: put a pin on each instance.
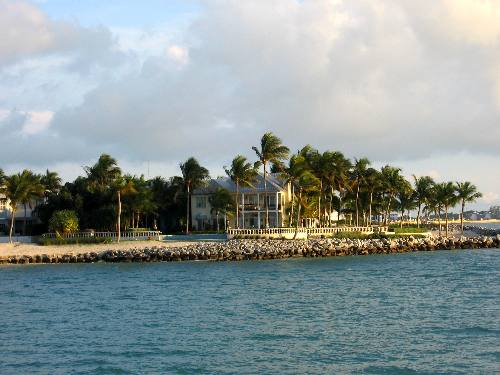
(391, 178)
(374, 183)
(222, 203)
(423, 189)
(20, 188)
(34, 189)
(446, 197)
(306, 182)
(103, 174)
(52, 182)
(406, 198)
(466, 193)
(291, 173)
(359, 170)
(122, 187)
(242, 174)
(193, 175)
(271, 151)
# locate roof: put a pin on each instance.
(275, 183)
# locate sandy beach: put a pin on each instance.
(34, 249)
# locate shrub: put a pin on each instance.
(409, 230)
(63, 222)
(45, 241)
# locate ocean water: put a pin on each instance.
(416, 313)
(484, 225)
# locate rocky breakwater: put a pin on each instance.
(236, 250)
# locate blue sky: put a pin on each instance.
(115, 13)
(412, 84)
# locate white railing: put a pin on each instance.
(304, 231)
(124, 235)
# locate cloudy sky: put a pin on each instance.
(411, 83)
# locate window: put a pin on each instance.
(2, 204)
(201, 202)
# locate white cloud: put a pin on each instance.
(37, 122)
(178, 54)
(398, 81)
(491, 197)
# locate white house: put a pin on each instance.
(251, 200)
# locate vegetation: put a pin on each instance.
(193, 175)
(326, 188)
(64, 222)
(271, 151)
(242, 173)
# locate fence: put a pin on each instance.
(133, 235)
(302, 233)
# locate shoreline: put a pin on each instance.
(237, 250)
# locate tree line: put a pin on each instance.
(321, 183)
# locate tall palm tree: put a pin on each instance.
(336, 168)
(423, 189)
(242, 173)
(52, 182)
(466, 193)
(20, 188)
(391, 178)
(103, 173)
(291, 173)
(446, 197)
(358, 174)
(406, 198)
(271, 151)
(306, 182)
(193, 175)
(122, 187)
(374, 183)
(33, 190)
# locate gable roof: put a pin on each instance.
(275, 183)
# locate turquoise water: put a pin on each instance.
(417, 313)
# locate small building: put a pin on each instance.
(251, 202)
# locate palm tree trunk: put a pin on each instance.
(237, 204)
(319, 201)
(265, 196)
(12, 220)
(119, 224)
(357, 205)
(387, 211)
(340, 203)
(370, 209)
(291, 207)
(418, 215)
(187, 210)
(402, 216)
(217, 216)
(462, 218)
(446, 218)
(24, 221)
(298, 214)
(439, 220)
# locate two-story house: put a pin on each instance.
(251, 201)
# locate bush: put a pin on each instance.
(63, 222)
(410, 230)
(45, 241)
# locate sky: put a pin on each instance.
(415, 84)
